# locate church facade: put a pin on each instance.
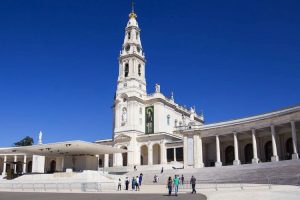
(144, 123)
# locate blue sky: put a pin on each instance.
(58, 61)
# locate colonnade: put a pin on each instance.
(197, 149)
(15, 160)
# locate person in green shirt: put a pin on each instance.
(176, 184)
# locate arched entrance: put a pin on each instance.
(248, 152)
(289, 148)
(156, 154)
(229, 155)
(29, 167)
(19, 167)
(100, 164)
(268, 151)
(52, 166)
(124, 156)
(144, 155)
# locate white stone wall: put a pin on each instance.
(79, 163)
(38, 164)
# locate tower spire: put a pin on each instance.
(132, 7)
(132, 14)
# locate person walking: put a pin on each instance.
(126, 183)
(133, 184)
(140, 179)
(182, 179)
(169, 185)
(176, 184)
(119, 184)
(193, 183)
(137, 187)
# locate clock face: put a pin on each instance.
(138, 49)
(127, 48)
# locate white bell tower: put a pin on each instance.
(131, 85)
(132, 61)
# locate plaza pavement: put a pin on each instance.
(94, 196)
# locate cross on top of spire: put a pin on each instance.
(132, 14)
(132, 7)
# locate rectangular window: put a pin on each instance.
(170, 155)
(179, 154)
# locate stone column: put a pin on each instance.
(63, 163)
(106, 160)
(274, 146)
(218, 163)
(236, 150)
(150, 154)
(174, 152)
(163, 152)
(97, 156)
(254, 146)
(24, 164)
(294, 136)
(15, 165)
(117, 158)
(185, 151)
(198, 157)
(4, 166)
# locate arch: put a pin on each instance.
(229, 155)
(126, 70)
(168, 120)
(289, 148)
(19, 167)
(156, 154)
(129, 35)
(52, 166)
(139, 70)
(248, 152)
(124, 156)
(29, 167)
(268, 151)
(100, 163)
(144, 155)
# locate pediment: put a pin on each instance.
(122, 137)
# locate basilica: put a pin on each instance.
(150, 130)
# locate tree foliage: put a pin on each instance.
(27, 141)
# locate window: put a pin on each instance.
(175, 122)
(126, 70)
(129, 35)
(137, 35)
(168, 120)
(139, 70)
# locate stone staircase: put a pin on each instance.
(283, 172)
(85, 176)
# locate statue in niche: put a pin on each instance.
(124, 116)
(183, 120)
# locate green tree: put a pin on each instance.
(27, 141)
